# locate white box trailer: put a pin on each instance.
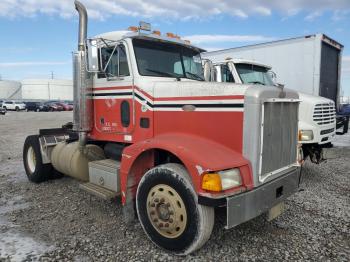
(310, 64)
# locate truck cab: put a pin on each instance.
(148, 128)
(316, 114)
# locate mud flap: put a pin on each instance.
(315, 152)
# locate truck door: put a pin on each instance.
(227, 73)
(113, 92)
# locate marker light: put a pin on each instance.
(133, 28)
(156, 33)
(171, 35)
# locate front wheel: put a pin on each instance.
(169, 212)
(35, 169)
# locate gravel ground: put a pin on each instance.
(56, 221)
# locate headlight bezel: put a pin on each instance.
(306, 135)
(222, 180)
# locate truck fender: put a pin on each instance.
(198, 155)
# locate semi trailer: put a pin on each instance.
(316, 128)
(310, 64)
(149, 131)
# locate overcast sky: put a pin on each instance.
(38, 36)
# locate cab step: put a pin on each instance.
(100, 192)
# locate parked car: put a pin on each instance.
(70, 106)
(2, 111)
(13, 105)
(65, 106)
(345, 110)
(35, 106)
(51, 106)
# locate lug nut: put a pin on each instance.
(160, 224)
(166, 225)
(171, 220)
(156, 200)
(168, 204)
(171, 213)
(153, 205)
(162, 200)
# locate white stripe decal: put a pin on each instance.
(145, 99)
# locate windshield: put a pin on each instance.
(167, 60)
(253, 74)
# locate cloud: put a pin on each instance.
(28, 64)
(312, 16)
(207, 39)
(179, 9)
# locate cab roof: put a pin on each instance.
(244, 61)
(121, 35)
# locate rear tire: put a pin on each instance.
(17, 108)
(168, 210)
(35, 169)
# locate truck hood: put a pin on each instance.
(313, 99)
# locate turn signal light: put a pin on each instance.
(156, 33)
(212, 182)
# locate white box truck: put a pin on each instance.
(310, 64)
(316, 128)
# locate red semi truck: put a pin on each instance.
(148, 127)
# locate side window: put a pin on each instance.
(226, 75)
(123, 62)
(114, 61)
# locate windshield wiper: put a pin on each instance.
(161, 73)
(198, 77)
(256, 82)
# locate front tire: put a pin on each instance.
(35, 169)
(169, 212)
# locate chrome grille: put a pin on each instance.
(324, 114)
(280, 136)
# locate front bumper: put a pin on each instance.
(245, 206)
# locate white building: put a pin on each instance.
(10, 90)
(47, 89)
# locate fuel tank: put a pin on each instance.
(72, 160)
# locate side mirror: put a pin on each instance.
(207, 70)
(273, 76)
(92, 56)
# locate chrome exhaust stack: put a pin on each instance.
(82, 84)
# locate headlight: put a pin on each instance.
(222, 180)
(306, 135)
